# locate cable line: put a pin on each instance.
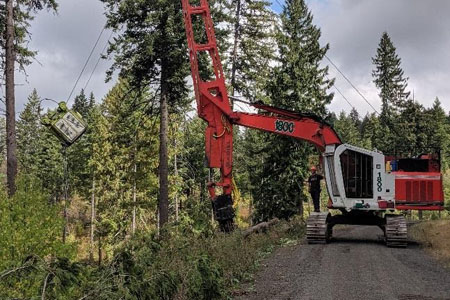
(98, 61)
(353, 86)
(348, 80)
(345, 98)
(281, 5)
(87, 61)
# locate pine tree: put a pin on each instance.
(152, 51)
(389, 78)
(123, 162)
(91, 100)
(80, 152)
(347, 129)
(194, 201)
(28, 137)
(299, 83)
(437, 131)
(82, 105)
(373, 133)
(410, 126)
(15, 18)
(252, 51)
(50, 162)
(354, 116)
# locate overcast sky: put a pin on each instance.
(418, 28)
(64, 41)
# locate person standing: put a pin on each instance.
(314, 188)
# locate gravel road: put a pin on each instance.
(355, 265)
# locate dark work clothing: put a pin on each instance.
(314, 182)
(315, 195)
(314, 189)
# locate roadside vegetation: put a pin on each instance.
(179, 263)
(125, 213)
(434, 235)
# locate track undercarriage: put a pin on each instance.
(319, 227)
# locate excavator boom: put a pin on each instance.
(361, 183)
(213, 106)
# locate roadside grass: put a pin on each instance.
(434, 235)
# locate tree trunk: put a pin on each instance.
(99, 251)
(133, 219)
(66, 194)
(91, 249)
(11, 144)
(163, 203)
(261, 227)
(176, 178)
(235, 48)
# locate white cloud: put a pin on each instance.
(63, 42)
(419, 30)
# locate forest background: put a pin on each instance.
(137, 193)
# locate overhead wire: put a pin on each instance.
(343, 96)
(345, 77)
(87, 61)
(281, 5)
(352, 85)
(240, 107)
(51, 100)
(98, 60)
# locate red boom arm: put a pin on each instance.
(214, 107)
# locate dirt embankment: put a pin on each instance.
(435, 237)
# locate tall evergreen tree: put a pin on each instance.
(80, 153)
(299, 83)
(252, 51)
(91, 100)
(347, 129)
(15, 17)
(123, 161)
(28, 135)
(390, 80)
(371, 131)
(410, 128)
(437, 131)
(354, 116)
(82, 105)
(152, 52)
(50, 164)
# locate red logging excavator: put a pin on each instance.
(366, 186)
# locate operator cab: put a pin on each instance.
(357, 179)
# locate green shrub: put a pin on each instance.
(183, 262)
(30, 242)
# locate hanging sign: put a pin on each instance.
(66, 124)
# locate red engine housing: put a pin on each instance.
(419, 190)
(418, 183)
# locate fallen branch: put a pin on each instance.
(45, 286)
(261, 227)
(8, 272)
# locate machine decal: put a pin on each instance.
(284, 126)
(379, 183)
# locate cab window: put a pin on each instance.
(357, 172)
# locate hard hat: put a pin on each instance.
(313, 168)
